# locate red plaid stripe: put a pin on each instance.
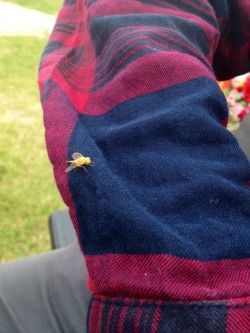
(238, 320)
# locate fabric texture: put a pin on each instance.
(40, 294)
(163, 216)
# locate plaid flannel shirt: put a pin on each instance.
(163, 218)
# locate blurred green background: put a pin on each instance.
(28, 194)
(45, 6)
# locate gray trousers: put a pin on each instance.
(46, 293)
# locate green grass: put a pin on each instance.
(46, 6)
(27, 189)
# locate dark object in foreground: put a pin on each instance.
(243, 136)
(62, 232)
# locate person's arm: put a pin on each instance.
(163, 216)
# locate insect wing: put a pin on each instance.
(71, 167)
(76, 156)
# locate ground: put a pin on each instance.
(24, 22)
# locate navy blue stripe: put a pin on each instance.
(165, 169)
(129, 321)
(48, 87)
(202, 317)
(206, 318)
(50, 48)
(104, 317)
(66, 27)
(69, 2)
(150, 317)
(143, 319)
(69, 27)
(92, 300)
(90, 2)
(136, 55)
(187, 8)
(101, 28)
(115, 317)
(77, 57)
(148, 41)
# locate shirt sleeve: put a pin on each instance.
(163, 215)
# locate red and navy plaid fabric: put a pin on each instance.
(163, 218)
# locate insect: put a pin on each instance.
(79, 161)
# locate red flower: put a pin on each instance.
(242, 115)
(246, 90)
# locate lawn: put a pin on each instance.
(46, 6)
(28, 193)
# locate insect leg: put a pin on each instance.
(81, 166)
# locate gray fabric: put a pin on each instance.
(243, 136)
(46, 293)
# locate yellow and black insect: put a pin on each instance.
(79, 161)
